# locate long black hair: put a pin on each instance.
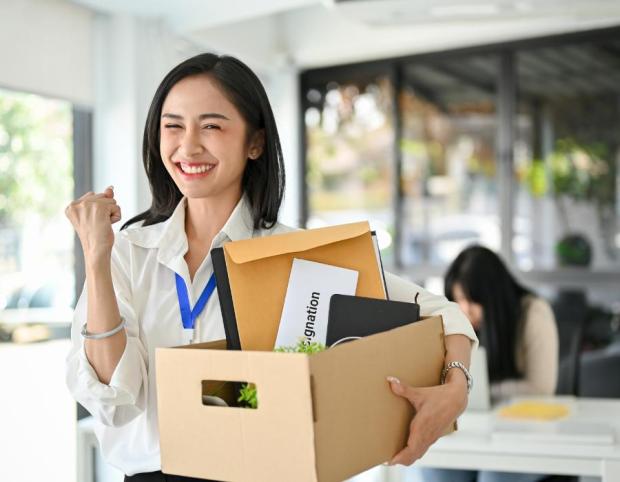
(485, 280)
(263, 178)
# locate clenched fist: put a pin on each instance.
(92, 217)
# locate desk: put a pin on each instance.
(37, 413)
(472, 446)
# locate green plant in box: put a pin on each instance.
(247, 393)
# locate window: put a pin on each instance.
(350, 168)
(37, 281)
(567, 153)
(449, 173)
(515, 146)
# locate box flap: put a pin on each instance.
(244, 251)
(211, 345)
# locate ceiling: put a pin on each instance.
(308, 33)
(559, 72)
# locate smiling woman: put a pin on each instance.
(212, 111)
(205, 153)
(212, 155)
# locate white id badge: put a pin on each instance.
(188, 336)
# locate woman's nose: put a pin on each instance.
(190, 144)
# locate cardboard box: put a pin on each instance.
(321, 417)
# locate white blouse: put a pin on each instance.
(144, 260)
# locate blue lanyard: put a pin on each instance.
(188, 316)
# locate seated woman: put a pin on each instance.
(516, 327)
(518, 331)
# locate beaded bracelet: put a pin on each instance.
(459, 365)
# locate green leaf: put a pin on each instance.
(248, 394)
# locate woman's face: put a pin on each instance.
(472, 310)
(203, 141)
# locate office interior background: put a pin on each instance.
(444, 123)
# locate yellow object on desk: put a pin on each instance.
(534, 410)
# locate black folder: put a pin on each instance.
(352, 317)
(233, 342)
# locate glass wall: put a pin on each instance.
(36, 183)
(567, 152)
(449, 167)
(349, 160)
(513, 146)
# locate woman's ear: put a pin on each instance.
(257, 144)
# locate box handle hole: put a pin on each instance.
(223, 393)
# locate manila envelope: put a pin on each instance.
(259, 269)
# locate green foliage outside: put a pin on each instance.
(583, 172)
(36, 173)
(577, 171)
(247, 392)
(349, 165)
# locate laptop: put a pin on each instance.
(480, 395)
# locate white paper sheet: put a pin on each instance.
(306, 306)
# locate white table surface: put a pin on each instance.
(473, 446)
(37, 414)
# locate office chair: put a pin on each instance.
(571, 314)
(598, 371)
(583, 329)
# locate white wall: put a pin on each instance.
(282, 87)
(46, 48)
(132, 56)
(37, 435)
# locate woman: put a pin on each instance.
(518, 331)
(212, 156)
(516, 327)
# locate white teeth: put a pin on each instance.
(196, 169)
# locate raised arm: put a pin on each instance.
(92, 216)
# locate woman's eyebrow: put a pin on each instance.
(208, 115)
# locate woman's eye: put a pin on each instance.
(172, 126)
(211, 126)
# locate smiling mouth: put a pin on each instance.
(194, 168)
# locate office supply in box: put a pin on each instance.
(352, 317)
(253, 274)
(307, 304)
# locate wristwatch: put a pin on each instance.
(458, 364)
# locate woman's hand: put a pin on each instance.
(436, 408)
(92, 217)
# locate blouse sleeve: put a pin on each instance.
(539, 347)
(124, 398)
(454, 320)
